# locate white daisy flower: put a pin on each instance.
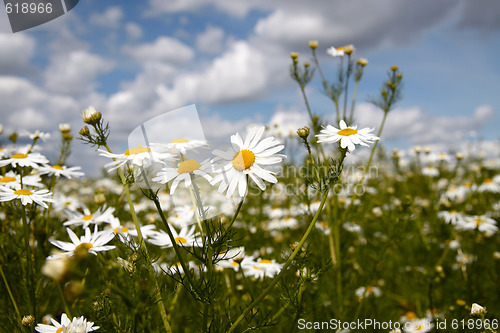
(59, 171)
(180, 145)
(335, 52)
(367, 291)
(261, 267)
(246, 159)
(26, 196)
(79, 325)
(182, 172)
(186, 237)
(138, 156)
(430, 171)
(147, 231)
(93, 242)
(30, 159)
(62, 203)
(482, 223)
(348, 136)
(102, 215)
(13, 180)
(452, 217)
(489, 185)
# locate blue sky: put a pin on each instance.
(136, 60)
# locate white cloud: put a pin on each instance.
(164, 50)
(110, 18)
(211, 40)
(415, 126)
(133, 31)
(16, 51)
(75, 73)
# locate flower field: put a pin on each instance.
(248, 238)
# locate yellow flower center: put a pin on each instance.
(265, 261)
(87, 217)
(418, 327)
(478, 221)
(137, 150)
(188, 166)
(488, 181)
(57, 167)
(180, 240)
(369, 289)
(347, 132)
(179, 140)
(243, 160)
(234, 263)
(19, 156)
(7, 179)
(86, 246)
(411, 315)
(59, 330)
(117, 231)
(23, 191)
(340, 48)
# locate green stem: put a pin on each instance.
(29, 259)
(142, 244)
(65, 304)
(326, 85)
(346, 90)
(285, 266)
(10, 293)
(354, 96)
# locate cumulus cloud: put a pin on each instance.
(133, 31)
(110, 18)
(211, 40)
(163, 50)
(16, 51)
(415, 126)
(75, 73)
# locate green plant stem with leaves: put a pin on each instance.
(142, 244)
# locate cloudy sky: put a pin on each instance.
(134, 60)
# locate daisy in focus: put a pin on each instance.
(58, 171)
(335, 52)
(349, 137)
(182, 173)
(67, 326)
(40, 197)
(246, 159)
(92, 242)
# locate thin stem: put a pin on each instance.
(142, 244)
(326, 85)
(29, 258)
(65, 304)
(285, 266)
(354, 96)
(10, 293)
(346, 91)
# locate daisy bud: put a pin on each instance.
(399, 76)
(394, 68)
(362, 62)
(64, 128)
(13, 137)
(85, 131)
(313, 44)
(99, 198)
(417, 149)
(477, 309)
(460, 302)
(28, 320)
(91, 116)
(303, 132)
(1, 128)
(496, 255)
(348, 49)
(67, 137)
(459, 156)
(306, 64)
(294, 55)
